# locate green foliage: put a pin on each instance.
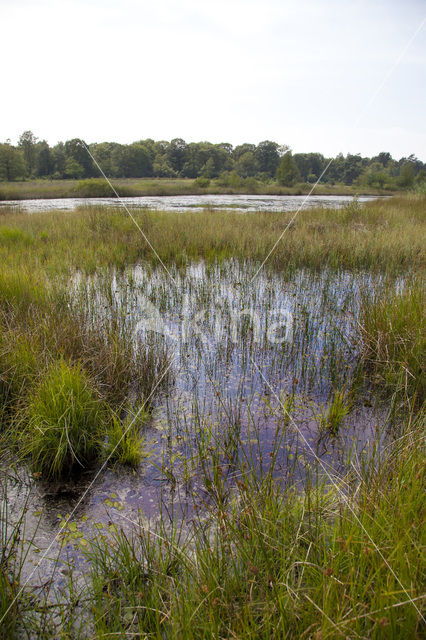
(63, 422)
(45, 160)
(202, 182)
(93, 188)
(20, 288)
(73, 169)
(267, 155)
(20, 365)
(177, 159)
(131, 161)
(27, 142)
(314, 563)
(247, 165)
(8, 606)
(393, 334)
(124, 444)
(10, 236)
(12, 165)
(287, 173)
(331, 418)
(407, 175)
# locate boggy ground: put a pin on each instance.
(298, 457)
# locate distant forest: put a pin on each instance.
(265, 162)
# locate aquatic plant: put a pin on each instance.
(331, 418)
(124, 443)
(393, 341)
(323, 562)
(63, 422)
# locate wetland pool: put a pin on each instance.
(189, 203)
(252, 367)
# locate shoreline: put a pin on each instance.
(95, 188)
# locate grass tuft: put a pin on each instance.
(124, 444)
(331, 418)
(64, 422)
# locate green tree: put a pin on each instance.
(176, 154)
(287, 173)
(76, 150)
(60, 160)
(310, 164)
(103, 152)
(73, 169)
(209, 169)
(12, 164)
(246, 165)
(27, 142)
(353, 167)
(406, 176)
(241, 149)
(45, 161)
(162, 167)
(132, 161)
(374, 175)
(268, 156)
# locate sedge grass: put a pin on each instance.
(63, 423)
(392, 332)
(331, 418)
(276, 564)
(382, 235)
(124, 443)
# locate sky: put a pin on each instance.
(318, 75)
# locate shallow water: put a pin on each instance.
(239, 349)
(188, 203)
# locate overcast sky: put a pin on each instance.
(300, 72)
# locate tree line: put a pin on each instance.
(264, 162)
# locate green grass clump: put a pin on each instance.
(20, 364)
(20, 288)
(10, 236)
(93, 188)
(393, 338)
(124, 444)
(64, 421)
(340, 406)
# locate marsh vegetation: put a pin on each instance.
(239, 452)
